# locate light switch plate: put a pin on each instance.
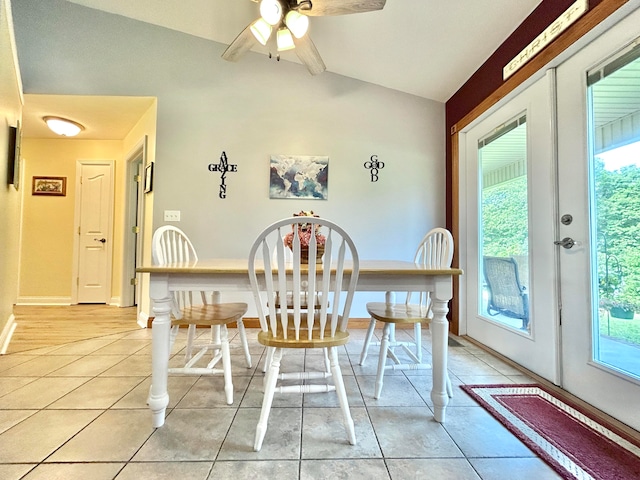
(172, 215)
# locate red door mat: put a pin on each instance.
(573, 442)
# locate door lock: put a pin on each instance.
(101, 240)
(566, 219)
(566, 242)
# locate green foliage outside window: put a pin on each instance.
(618, 224)
(505, 220)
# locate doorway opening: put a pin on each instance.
(133, 231)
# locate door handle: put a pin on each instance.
(566, 242)
(101, 240)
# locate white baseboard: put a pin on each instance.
(114, 302)
(44, 301)
(143, 319)
(7, 333)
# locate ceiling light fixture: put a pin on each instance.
(285, 40)
(271, 11)
(63, 126)
(298, 24)
(261, 30)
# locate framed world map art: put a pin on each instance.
(299, 176)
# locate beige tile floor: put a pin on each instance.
(78, 411)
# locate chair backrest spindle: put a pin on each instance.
(316, 266)
(434, 251)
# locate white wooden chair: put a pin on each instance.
(304, 299)
(435, 251)
(303, 326)
(170, 245)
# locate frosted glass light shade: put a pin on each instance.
(271, 11)
(285, 40)
(261, 30)
(298, 24)
(62, 126)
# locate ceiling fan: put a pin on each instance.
(290, 20)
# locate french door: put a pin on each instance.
(508, 227)
(551, 188)
(599, 177)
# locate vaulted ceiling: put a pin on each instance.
(427, 48)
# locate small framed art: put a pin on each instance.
(148, 178)
(13, 168)
(53, 186)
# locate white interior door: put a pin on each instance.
(95, 197)
(509, 204)
(598, 111)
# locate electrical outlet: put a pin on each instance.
(172, 215)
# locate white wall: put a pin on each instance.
(249, 109)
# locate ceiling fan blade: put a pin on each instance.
(342, 7)
(240, 45)
(309, 55)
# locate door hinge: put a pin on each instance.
(134, 281)
(137, 178)
(135, 229)
(77, 281)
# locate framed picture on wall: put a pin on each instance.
(148, 178)
(299, 176)
(13, 164)
(52, 186)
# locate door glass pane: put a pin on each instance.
(614, 127)
(504, 226)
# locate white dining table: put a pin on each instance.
(232, 275)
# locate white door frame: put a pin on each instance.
(133, 250)
(76, 229)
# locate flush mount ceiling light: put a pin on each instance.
(290, 18)
(63, 126)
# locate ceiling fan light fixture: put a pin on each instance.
(297, 23)
(285, 40)
(261, 30)
(63, 126)
(271, 11)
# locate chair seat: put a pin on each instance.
(397, 312)
(212, 314)
(278, 341)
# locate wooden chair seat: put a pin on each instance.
(278, 340)
(398, 312)
(211, 314)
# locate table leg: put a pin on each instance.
(161, 329)
(439, 347)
